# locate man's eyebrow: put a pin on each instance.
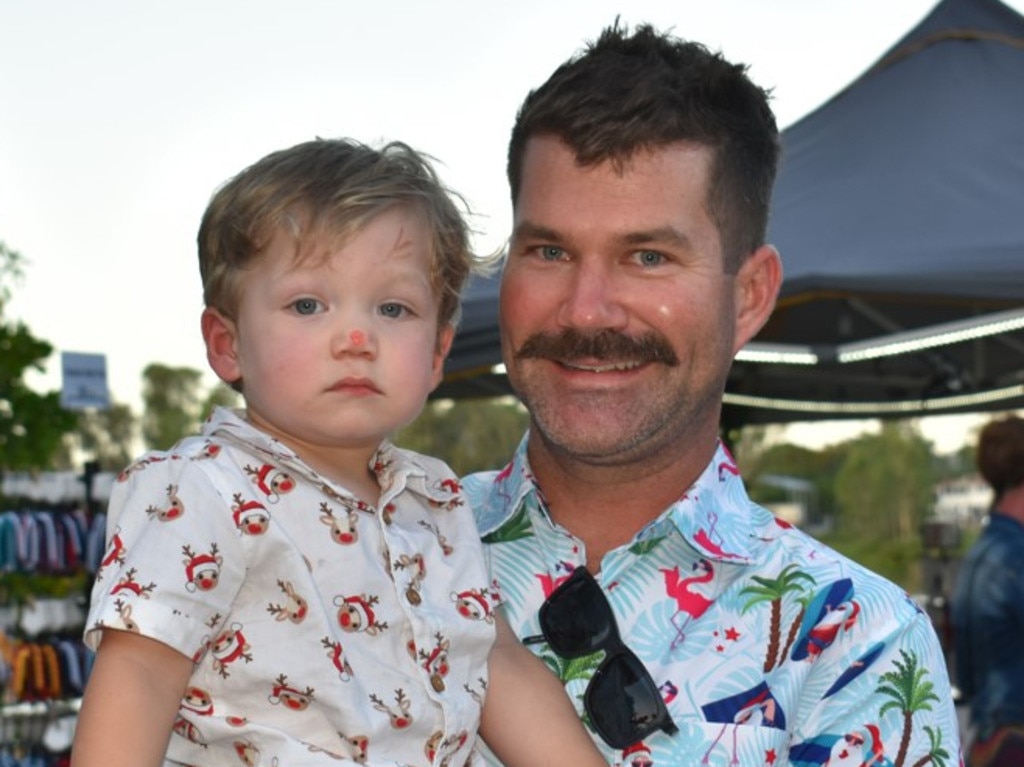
(662, 234)
(529, 230)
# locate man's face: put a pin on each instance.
(619, 323)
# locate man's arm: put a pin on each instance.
(133, 694)
(527, 719)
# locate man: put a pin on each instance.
(640, 175)
(988, 605)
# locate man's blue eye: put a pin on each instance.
(551, 253)
(650, 258)
(306, 306)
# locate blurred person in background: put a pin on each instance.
(988, 606)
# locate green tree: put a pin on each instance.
(884, 488)
(173, 400)
(31, 424)
(818, 467)
(471, 435)
(105, 436)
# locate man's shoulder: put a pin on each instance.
(802, 551)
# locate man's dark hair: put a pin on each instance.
(630, 92)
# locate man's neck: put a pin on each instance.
(605, 506)
(1012, 503)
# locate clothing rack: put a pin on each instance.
(51, 544)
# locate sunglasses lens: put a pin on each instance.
(576, 618)
(623, 703)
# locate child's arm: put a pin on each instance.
(128, 710)
(527, 719)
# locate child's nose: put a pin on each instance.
(354, 340)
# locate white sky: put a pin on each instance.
(121, 117)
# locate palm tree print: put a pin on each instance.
(937, 755)
(773, 590)
(516, 527)
(910, 693)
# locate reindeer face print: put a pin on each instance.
(271, 481)
(474, 605)
(342, 526)
(398, 715)
(188, 730)
(356, 613)
(435, 663)
(198, 701)
(290, 697)
(251, 517)
(247, 753)
(296, 607)
(230, 647)
(202, 571)
(168, 512)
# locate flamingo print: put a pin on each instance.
(688, 602)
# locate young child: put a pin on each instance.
(289, 588)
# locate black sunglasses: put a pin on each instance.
(622, 700)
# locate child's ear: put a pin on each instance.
(445, 337)
(220, 334)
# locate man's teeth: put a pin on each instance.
(605, 368)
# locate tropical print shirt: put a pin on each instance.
(323, 630)
(988, 620)
(768, 647)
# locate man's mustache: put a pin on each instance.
(571, 345)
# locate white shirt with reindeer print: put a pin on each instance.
(322, 629)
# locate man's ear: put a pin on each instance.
(445, 337)
(220, 335)
(757, 287)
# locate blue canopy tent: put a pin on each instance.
(899, 213)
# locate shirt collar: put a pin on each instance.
(713, 515)
(396, 469)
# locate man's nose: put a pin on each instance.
(593, 298)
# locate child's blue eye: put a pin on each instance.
(392, 310)
(306, 306)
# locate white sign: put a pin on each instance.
(85, 381)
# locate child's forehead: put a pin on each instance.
(322, 237)
(399, 248)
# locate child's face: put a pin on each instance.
(336, 352)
